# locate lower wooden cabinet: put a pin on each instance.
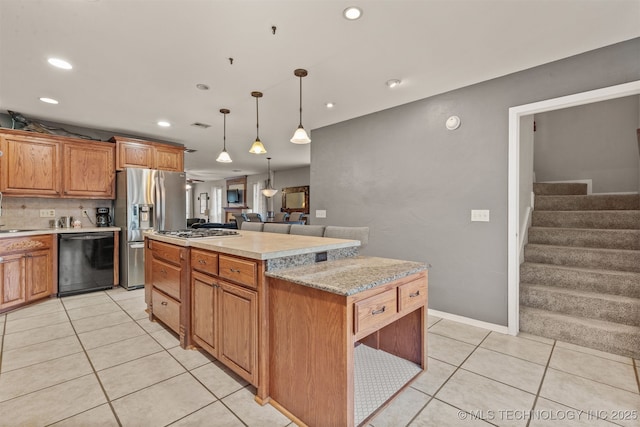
(224, 322)
(27, 270)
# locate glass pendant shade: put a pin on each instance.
(300, 136)
(269, 191)
(257, 148)
(224, 156)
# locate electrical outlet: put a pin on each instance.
(47, 213)
(85, 213)
(321, 213)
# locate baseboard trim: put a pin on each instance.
(471, 322)
(621, 193)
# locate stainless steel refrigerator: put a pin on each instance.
(146, 199)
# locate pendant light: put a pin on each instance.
(300, 136)
(269, 191)
(224, 156)
(257, 147)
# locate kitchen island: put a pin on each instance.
(270, 308)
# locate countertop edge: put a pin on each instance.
(4, 234)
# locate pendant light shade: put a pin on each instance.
(269, 191)
(224, 156)
(257, 147)
(300, 136)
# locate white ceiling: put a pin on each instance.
(138, 61)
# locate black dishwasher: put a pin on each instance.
(85, 262)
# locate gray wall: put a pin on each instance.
(594, 141)
(414, 183)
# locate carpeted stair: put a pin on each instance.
(580, 281)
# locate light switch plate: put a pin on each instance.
(321, 213)
(480, 215)
(47, 213)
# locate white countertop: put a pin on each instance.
(259, 245)
(24, 232)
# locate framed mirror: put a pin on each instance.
(295, 199)
(204, 202)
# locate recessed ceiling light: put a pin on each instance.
(352, 13)
(393, 83)
(164, 124)
(330, 104)
(202, 86)
(60, 63)
(49, 100)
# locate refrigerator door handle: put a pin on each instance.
(136, 245)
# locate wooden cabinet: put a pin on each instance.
(166, 290)
(36, 165)
(89, 171)
(30, 165)
(27, 270)
(137, 153)
(224, 317)
(318, 338)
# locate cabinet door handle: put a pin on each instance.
(380, 311)
(1, 259)
(164, 303)
(415, 294)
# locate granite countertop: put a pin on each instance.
(349, 276)
(4, 233)
(259, 245)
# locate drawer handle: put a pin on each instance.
(415, 294)
(201, 261)
(164, 303)
(163, 271)
(380, 311)
(234, 271)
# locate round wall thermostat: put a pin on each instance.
(453, 123)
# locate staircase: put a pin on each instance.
(580, 280)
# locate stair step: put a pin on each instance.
(612, 308)
(588, 203)
(620, 219)
(623, 283)
(598, 334)
(559, 188)
(585, 237)
(606, 259)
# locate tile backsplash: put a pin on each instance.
(24, 212)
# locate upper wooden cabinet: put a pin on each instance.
(88, 170)
(38, 165)
(30, 165)
(137, 153)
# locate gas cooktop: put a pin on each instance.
(199, 233)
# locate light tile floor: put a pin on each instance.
(96, 360)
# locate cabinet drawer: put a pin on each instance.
(412, 295)
(204, 261)
(372, 313)
(26, 243)
(238, 270)
(166, 277)
(165, 251)
(167, 310)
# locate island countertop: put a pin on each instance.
(349, 276)
(259, 245)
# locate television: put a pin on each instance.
(234, 196)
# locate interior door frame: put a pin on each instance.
(515, 114)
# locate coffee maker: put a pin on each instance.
(103, 219)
